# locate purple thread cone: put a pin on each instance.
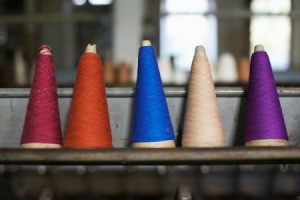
(264, 119)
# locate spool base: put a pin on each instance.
(267, 142)
(203, 144)
(40, 146)
(162, 144)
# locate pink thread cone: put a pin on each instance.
(42, 127)
(202, 124)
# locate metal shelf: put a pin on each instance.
(129, 92)
(127, 156)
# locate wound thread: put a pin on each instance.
(88, 124)
(202, 124)
(264, 118)
(42, 121)
(151, 121)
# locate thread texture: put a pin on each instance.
(88, 124)
(202, 124)
(42, 121)
(264, 119)
(151, 121)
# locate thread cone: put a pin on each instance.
(20, 68)
(88, 124)
(227, 70)
(124, 73)
(202, 124)
(152, 126)
(244, 70)
(264, 125)
(42, 127)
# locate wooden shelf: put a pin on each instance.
(178, 156)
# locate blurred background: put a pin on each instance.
(228, 29)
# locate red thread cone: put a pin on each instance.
(42, 127)
(88, 125)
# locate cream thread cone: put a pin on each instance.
(202, 126)
(227, 70)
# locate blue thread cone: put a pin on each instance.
(151, 121)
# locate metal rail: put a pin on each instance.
(169, 91)
(84, 16)
(127, 156)
(45, 18)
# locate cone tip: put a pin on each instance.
(45, 50)
(200, 50)
(146, 43)
(259, 48)
(91, 48)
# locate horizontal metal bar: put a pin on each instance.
(235, 14)
(45, 18)
(84, 16)
(127, 156)
(169, 91)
